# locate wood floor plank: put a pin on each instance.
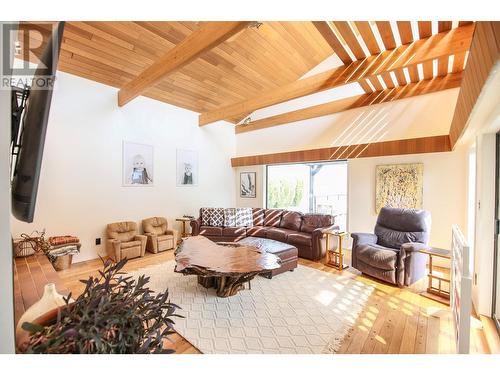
(394, 320)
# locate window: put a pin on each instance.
(309, 188)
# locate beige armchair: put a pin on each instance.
(124, 241)
(160, 238)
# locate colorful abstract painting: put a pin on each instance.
(399, 185)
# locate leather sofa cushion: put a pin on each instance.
(377, 256)
(258, 216)
(394, 239)
(126, 245)
(310, 222)
(234, 231)
(272, 218)
(258, 231)
(155, 225)
(291, 220)
(279, 234)
(304, 239)
(210, 231)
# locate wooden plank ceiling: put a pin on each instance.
(255, 60)
(260, 64)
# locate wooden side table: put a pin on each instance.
(437, 292)
(335, 257)
(184, 220)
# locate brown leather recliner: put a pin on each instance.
(124, 241)
(160, 238)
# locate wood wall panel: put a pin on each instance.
(439, 143)
(484, 54)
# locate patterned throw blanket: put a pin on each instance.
(62, 240)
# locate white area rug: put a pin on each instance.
(305, 311)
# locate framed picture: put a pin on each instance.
(187, 168)
(399, 185)
(137, 169)
(247, 185)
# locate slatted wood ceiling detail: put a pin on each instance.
(248, 63)
(379, 37)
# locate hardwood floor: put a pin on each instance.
(395, 320)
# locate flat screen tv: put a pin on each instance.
(31, 132)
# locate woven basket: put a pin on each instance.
(63, 262)
(23, 248)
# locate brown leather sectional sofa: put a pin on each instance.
(304, 231)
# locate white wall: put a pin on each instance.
(80, 187)
(425, 115)
(260, 197)
(444, 192)
(6, 266)
(420, 116)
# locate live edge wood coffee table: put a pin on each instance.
(225, 267)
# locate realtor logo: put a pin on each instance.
(29, 52)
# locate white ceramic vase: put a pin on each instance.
(50, 300)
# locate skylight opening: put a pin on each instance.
(376, 34)
(394, 79)
(414, 30)
(434, 27)
(378, 38)
(341, 39)
(451, 61)
(370, 85)
(395, 32)
(454, 24)
(420, 69)
(359, 38)
(382, 83)
(465, 59)
(407, 75)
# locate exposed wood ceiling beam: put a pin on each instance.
(207, 36)
(483, 58)
(346, 32)
(439, 143)
(326, 31)
(436, 46)
(425, 31)
(413, 89)
(443, 61)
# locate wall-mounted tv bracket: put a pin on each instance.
(19, 99)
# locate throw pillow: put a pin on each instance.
(206, 216)
(217, 218)
(230, 217)
(244, 217)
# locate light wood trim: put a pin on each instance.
(413, 89)
(385, 30)
(346, 32)
(440, 143)
(443, 61)
(327, 33)
(443, 44)
(366, 32)
(425, 31)
(207, 36)
(484, 55)
(405, 33)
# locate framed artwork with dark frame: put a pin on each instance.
(248, 184)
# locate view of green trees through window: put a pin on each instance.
(309, 188)
(285, 193)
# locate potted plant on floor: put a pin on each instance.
(114, 314)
